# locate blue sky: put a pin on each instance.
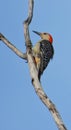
(20, 108)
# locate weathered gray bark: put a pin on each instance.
(12, 47)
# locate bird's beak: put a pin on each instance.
(38, 33)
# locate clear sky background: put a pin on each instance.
(20, 107)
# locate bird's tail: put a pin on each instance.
(39, 76)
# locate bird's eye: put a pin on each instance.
(45, 33)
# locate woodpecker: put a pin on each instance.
(43, 51)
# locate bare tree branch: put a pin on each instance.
(34, 74)
(12, 47)
(33, 71)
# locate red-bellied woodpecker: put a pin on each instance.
(43, 51)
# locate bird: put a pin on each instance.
(43, 51)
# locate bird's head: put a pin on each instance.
(45, 36)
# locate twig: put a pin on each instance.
(12, 47)
(34, 74)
